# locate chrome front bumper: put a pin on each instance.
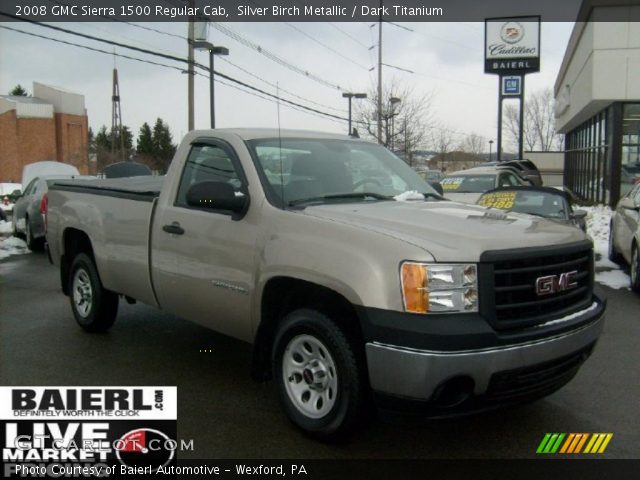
(416, 374)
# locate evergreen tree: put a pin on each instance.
(145, 140)
(163, 147)
(18, 91)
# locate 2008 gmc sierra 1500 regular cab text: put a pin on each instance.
(352, 278)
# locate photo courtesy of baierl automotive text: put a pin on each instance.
(316, 239)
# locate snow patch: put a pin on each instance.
(5, 228)
(613, 279)
(409, 195)
(12, 246)
(598, 224)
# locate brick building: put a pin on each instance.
(51, 125)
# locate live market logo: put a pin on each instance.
(87, 431)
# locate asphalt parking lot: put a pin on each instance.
(229, 416)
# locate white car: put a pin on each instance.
(624, 234)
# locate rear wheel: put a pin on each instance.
(635, 269)
(94, 307)
(320, 381)
(34, 244)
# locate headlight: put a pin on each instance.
(434, 287)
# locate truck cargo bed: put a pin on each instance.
(144, 188)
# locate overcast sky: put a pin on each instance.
(447, 59)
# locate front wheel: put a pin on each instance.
(94, 307)
(635, 269)
(320, 381)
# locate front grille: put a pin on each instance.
(536, 379)
(513, 302)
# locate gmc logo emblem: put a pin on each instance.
(556, 283)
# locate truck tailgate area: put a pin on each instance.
(116, 215)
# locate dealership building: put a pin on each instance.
(50, 125)
(598, 101)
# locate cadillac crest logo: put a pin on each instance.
(512, 32)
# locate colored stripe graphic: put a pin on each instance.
(573, 443)
(550, 443)
(598, 443)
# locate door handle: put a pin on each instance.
(173, 228)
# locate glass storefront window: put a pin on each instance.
(630, 161)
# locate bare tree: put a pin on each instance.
(405, 124)
(474, 143)
(511, 116)
(442, 141)
(539, 123)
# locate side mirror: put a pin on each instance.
(437, 186)
(16, 193)
(628, 204)
(579, 214)
(216, 196)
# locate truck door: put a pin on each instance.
(203, 260)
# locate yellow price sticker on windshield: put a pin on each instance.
(500, 200)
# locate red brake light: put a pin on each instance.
(44, 205)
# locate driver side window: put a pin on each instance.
(207, 163)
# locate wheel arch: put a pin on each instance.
(284, 294)
(74, 241)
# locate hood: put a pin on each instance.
(449, 231)
(462, 197)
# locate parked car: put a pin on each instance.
(126, 169)
(624, 234)
(27, 219)
(467, 185)
(44, 169)
(525, 168)
(9, 192)
(629, 176)
(350, 288)
(431, 175)
(545, 202)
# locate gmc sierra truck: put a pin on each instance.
(354, 280)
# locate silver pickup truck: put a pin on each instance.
(352, 278)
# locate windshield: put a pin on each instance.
(543, 204)
(333, 170)
(468, 183)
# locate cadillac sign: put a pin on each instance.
(512, 45)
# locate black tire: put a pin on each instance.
(635, 268)
(614, 256)
(94, 309)
(350, 396)
(34, 244)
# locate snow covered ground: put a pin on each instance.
(10, 245)
(607, 272)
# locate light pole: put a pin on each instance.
(490, 146)
(213, 51)
(350, 96)
(392, 103)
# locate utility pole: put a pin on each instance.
(190, 70)
(380, 75)
(116, 118)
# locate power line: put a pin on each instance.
(347, 34)
(271, 56)
(203, 67)
(324, 45)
